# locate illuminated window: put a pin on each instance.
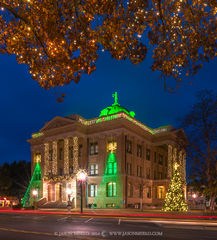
(93, 190)
(94, 148)
(111, 189)
(111, 168)
(139, 151)
(93, 169)
(160, 192)
(129, 146)
(139, 171)
(129, 168)
(148, 154)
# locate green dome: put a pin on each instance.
(115, 108)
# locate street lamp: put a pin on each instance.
(81, 178)
(35, 194)
(194, 197)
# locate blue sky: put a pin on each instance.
(25, 107)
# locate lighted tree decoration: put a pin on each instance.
(175, 199)
(60, 40)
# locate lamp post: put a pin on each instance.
(81, 178)
(35, 194)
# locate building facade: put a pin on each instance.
(128, 163)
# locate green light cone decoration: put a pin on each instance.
(175, 199)
(35, 184)
(110, 192)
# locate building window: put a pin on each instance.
(155, 157)
(129, 190)
(160, 160)
(148, 192)
(93, 148)
(148, 173)
(139, 151)
(70, 170)
(92, 190)
(93, 169)
(129, 168)
(129, 146)
(60, 171)
(148, 154)
(71, 152)
(111, 189)
(61, 154)
(139, 171)
(160, 192)
(50, 155)
(80, 151)
(111, 168)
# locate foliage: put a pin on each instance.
(14, 178)
(200, 125)
(175, 199)
(60, 40)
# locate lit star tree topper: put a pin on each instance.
(60, 40)
(175, 199)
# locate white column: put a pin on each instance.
(46, 158)
(66, 156)
(174, 159)
(54, 166)
(75, 154)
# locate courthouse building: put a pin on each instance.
(127, 162)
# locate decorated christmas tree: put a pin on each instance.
(175, 199)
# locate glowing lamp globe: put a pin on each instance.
(68, 191)
(81, 176)
(194, 195)
(35, 193)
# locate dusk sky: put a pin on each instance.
(25, 106)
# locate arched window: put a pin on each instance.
(111, 189)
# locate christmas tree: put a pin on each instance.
(175, 199)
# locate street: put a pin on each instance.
(46, 226)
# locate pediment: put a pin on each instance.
(56, 123)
